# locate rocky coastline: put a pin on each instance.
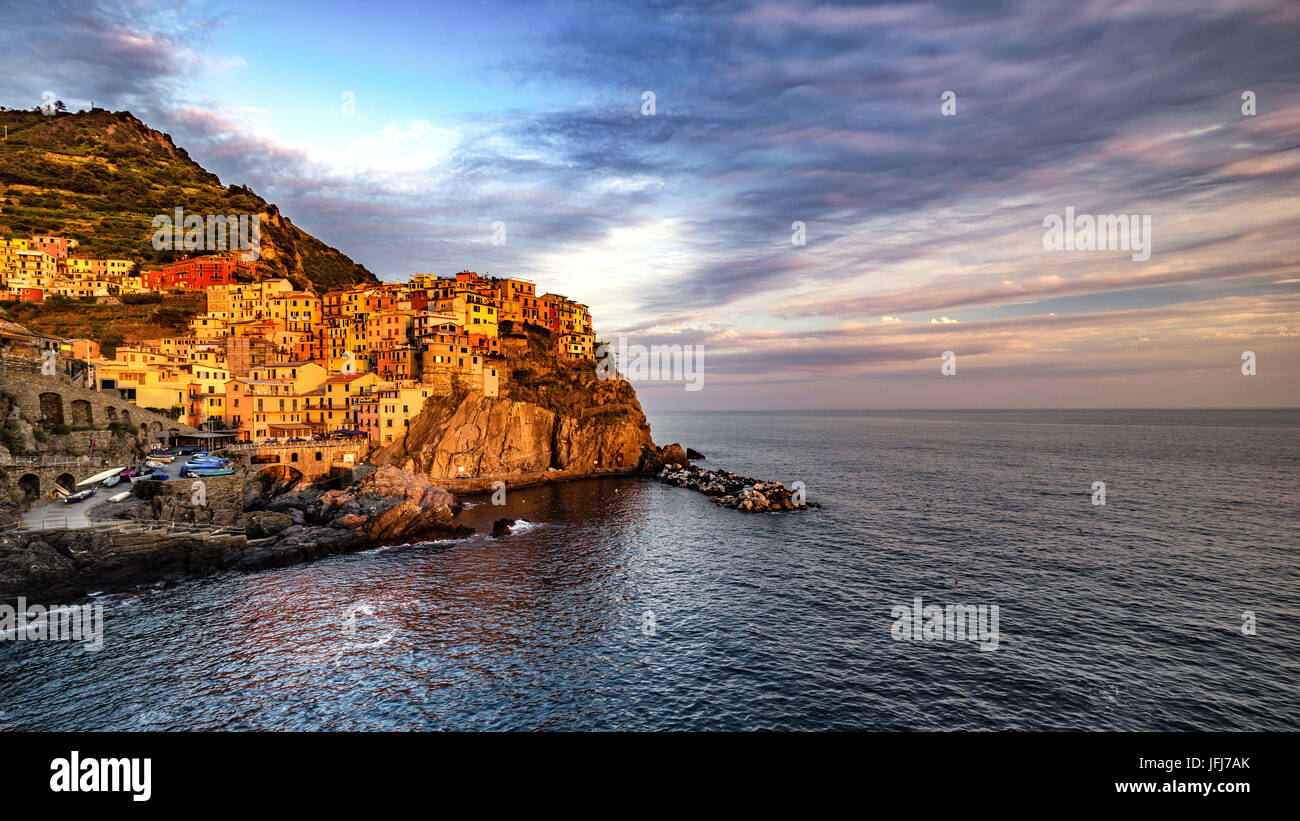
(252, 522)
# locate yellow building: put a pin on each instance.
(331, 406)
(210, 326)
(304, 376)
(295, 311)
(385, 410)
(246, 301)
(473, 310)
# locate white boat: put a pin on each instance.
(99, 477)
(120, 496)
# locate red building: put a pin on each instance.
(198, 273)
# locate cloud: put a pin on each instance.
(774, 112)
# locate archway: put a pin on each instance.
(277, 479)
(51, 408)
(30, 485)
(66, 481)
(81, 414)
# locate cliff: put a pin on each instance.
(551, 416)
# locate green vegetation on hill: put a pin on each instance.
(100, 177)
(109, 325)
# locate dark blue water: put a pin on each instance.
(1125, 616)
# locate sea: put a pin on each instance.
(629, 605)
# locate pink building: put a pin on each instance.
(56, 247)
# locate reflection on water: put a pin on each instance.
(1123, 617)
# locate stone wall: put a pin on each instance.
(55, 400)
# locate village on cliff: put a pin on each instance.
(269, 362)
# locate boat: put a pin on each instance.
(112, 480)
(163, 458)
(99, 477)
(158, 475)
(208, 463)
(155, 466)
(79, 496)
(207, 472)
(120, 497)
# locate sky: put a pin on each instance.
(919, 148)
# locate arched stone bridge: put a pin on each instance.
(312, 459)
(30, 481)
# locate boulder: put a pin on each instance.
(262, 523)
(674, 455)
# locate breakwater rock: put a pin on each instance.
(737, 492)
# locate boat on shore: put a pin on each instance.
(202, 471)
(79, 496)
(102, 476)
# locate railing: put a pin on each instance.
(135, 526)
(175, 527)
(55, 461)
(247, 447)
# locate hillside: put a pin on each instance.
(142, 318)
(100, 177)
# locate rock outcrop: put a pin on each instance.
(391, 506)
(551, 416)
